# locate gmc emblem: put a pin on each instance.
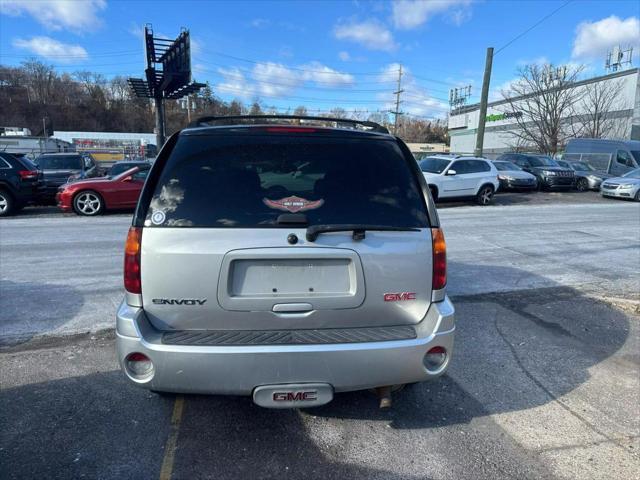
(303, 396)
(397, 297)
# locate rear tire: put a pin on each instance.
(582, 185)
(7, 203)
(88, 203)
(485, 195)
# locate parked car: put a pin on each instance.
(626, 186)
(121, 166)
(615, 157)
(20, 183)
(460, 177)
(93, 196)
(550, 175)
(254, 265)
(59, 168)
(512, 177)
(587, 177)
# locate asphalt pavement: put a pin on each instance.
(544, 382)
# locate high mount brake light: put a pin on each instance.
(439, 248)
(290, 129)
(132, 282)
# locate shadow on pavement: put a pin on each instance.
(514, 351)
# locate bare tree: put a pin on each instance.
(542, 101)
(599, 101)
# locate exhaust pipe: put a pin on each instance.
(384, 395)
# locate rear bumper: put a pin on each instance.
(237, 370)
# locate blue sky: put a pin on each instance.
(323, 54)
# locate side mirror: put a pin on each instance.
(451, 172)
(128, 179)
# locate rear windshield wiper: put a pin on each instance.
(358, 230)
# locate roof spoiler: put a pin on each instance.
(261, 119)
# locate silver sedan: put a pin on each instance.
(626, 186)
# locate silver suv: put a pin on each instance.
(287, 258)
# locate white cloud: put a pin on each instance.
(344, 56)
(499, 91)
(416, 100)
(260, 23)
(316, 72)
(52, 49)
(409, 14)
(78, 17)
(136, 30)
(595, 39)
(370, 34)
(271, 79)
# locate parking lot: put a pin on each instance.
(544, 383)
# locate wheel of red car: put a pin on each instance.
(88, 203)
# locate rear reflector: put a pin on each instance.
(439, 248)
(138, 365)
(435, 358)
(132, 283)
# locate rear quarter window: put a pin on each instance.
(250, 180)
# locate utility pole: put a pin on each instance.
(397, 112)
(189, 109)
(483, 103)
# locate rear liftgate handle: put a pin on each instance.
(292, 308)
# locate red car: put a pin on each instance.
(93, 196)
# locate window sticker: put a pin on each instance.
(293, 204)
(158, 217)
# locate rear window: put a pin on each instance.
(60, 162)
(249, 181)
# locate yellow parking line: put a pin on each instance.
(172, 442)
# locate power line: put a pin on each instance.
(517, 37)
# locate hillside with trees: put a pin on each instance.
(88, 101)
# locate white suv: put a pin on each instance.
(460, 177)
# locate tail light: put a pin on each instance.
(28, 174)
(439, 248)
(132, 283)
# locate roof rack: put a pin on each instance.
(256, 119)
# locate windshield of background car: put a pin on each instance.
(633, 173)
(118, 168)
(506, 166)
(582, 167)
(60, 162)
(636, 155)
(250, 180)
(543, 162)
(434, 165)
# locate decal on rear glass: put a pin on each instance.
(158, 217)
(293, 204)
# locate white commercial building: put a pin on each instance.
(501, 119)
